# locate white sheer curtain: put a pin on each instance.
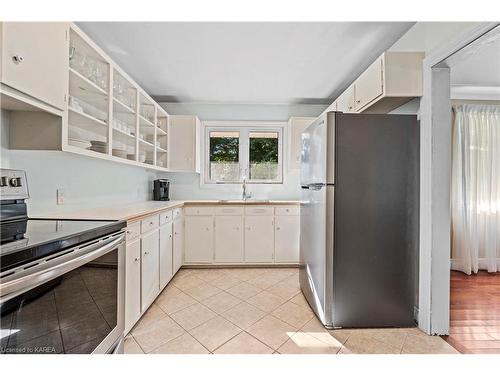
(476, 188)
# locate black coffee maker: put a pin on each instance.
(160, 189)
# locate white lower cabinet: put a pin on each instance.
(178, 244)
(150, 281)
(259, 239)
(286, 239)
(166, 254)
(229, 239)
(132, 283)
(199, 239)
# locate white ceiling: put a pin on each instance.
(245, 62)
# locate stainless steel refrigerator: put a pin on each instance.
(359, 219)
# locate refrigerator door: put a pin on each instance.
(316, 248)
(313, 153)
(376, 220)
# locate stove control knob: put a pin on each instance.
(3, 181)
(15, 181)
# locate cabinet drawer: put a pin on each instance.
(259, 210)
(149, 223)
(200, 210)
(176, 212)
(133, 230)
(287, 210)
(165, 217)
(229, 211)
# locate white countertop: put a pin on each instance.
(133, 211)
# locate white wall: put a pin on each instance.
(187, 185)
(87, 182)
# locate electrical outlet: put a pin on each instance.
(60, 196)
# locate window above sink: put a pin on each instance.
(237, 151)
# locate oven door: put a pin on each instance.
(69, 303)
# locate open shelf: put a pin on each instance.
(134, 114)
(77, 82)
(123, 136)
(145, 122)
(83, 120)
(120, 107)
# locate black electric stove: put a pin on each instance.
(71, 270)
(26, 240)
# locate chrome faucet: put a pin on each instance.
(244, 194)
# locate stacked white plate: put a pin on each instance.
(119, 152)
(98, 146)
(78, 143)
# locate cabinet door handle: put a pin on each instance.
(129, 232)
(136, 259)
(18, 59)
(151, 223)
(146, 252)
(358, 101)
(207, 228)
(277, 228)
(169, 236)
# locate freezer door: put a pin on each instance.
(314, 250)
(313, 153)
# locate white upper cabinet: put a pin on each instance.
(296, 125)
(369, 85)
(34, 59)
(345, 102)
(184, 143)
(392, 80)
(95, 108)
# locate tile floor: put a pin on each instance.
(255, 311)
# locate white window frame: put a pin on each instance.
(244, 128)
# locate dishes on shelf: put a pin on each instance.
(98, 146)
(79, 105)
(119, 152)
(79, 143)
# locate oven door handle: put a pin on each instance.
(18, 286)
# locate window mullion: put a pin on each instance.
(244, 150)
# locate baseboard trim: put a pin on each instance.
(482, 264)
